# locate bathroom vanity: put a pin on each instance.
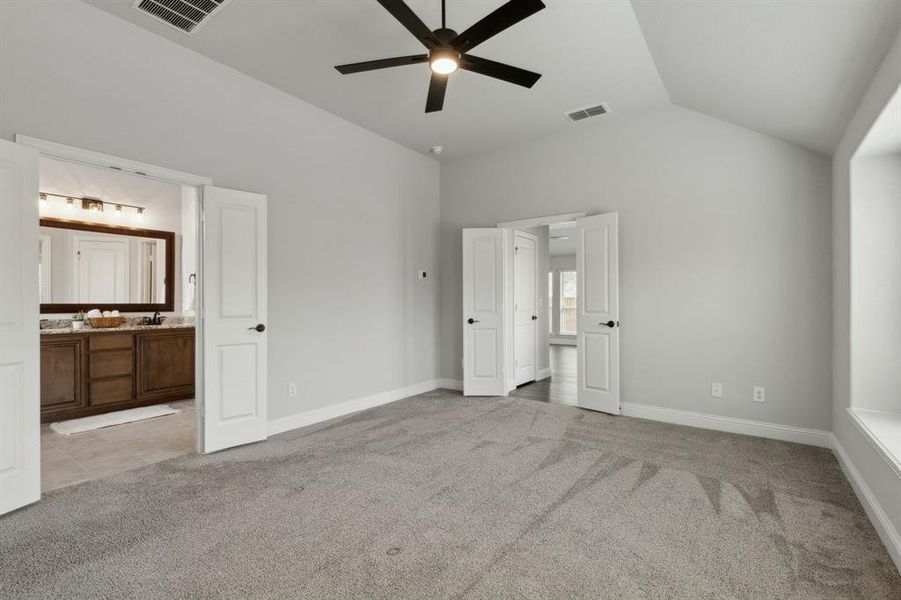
(93, 371)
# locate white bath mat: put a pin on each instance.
(113, 418)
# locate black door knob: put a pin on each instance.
(534, 317)
(260, 327)
(608, 324)
(470, 320)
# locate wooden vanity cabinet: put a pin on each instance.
(90, 373)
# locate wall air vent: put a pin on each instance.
(580, 114)
(185, 15)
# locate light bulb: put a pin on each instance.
(444, 61)
(118, 212)
(43, 200)
(70, 204)
(140, 215)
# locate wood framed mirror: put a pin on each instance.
(108, 267)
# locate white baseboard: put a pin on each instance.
(325, 413)
(883, 525)
(775, 431)
(543, 374)
(450, 384)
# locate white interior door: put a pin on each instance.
(101, 270)
(525, 310)
(483, 312)
(597, 305)
(20, 442)
(234, 318)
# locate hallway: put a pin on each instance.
(560, 387)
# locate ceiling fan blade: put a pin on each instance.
(483, 66)
(403, 13)
(437, 87)
(372, 65)
(506, 16)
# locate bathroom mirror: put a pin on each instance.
(86, 265)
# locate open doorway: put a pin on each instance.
(118, 274)
(226, 359)
(508, 284)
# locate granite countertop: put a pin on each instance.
(63, 326)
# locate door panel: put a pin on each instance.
(483, 323)
(597, 276)
(525, 298)
(234, 303)
(20, 448)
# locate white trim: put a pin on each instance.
(543, 374)
(538, 221)
(558, 340)
(881, 522)
(450, 384)
(317, 415)
(889, 458)
(97, 159)
(775, 431)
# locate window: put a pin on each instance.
(567, 303)
(550, 302)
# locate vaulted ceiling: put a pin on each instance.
(791, 69)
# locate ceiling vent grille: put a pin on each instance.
(581, 114)
(185, 15)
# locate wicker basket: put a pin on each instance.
(104, 322)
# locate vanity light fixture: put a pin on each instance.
(94, 205)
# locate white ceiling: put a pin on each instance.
(587, 52)
(794, 69)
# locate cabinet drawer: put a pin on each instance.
(111, 391)
(110, 364)
(111, 341)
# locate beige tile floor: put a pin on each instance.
(70, 459)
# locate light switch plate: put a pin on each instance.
(759, 393)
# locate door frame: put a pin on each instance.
(519, 225)
(508, 306)
(72, 154)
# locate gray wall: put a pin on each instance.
(876, 283)
(878, 475)
(351, 215)
(725, 254)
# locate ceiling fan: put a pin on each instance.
(449, 51)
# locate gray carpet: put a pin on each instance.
(443, 496)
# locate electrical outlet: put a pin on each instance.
(716, 390)
(292, 388)
(759, 393)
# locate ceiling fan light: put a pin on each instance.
(444, 61)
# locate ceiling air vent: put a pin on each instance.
(184, 15)
(584, 113)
